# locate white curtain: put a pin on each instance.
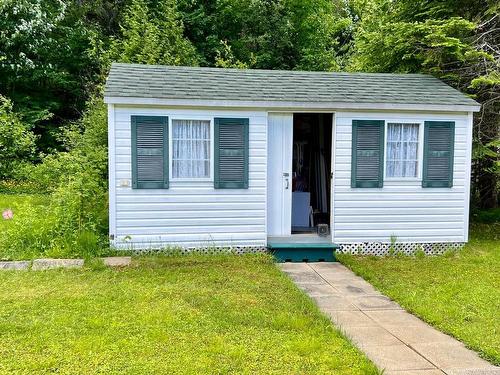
(190, 149)
(402, 150)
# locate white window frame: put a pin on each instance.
(420, 149)
(171, 119)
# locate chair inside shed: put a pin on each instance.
(312, 160)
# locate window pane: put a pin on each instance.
(191, 149)
(402, 150)
(390, 168)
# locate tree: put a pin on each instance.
(457, 41)
(151, 33)
(44, 65)
(267, 34)
(17, 142)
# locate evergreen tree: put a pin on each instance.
(457, 41)
(151, 33)
(267, 34)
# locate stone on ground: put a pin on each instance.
(14, 265)
(47, 264)
(117, 261)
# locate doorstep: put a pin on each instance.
(302, 249)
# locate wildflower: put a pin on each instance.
(7, 214)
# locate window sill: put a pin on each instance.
(403, 179)
(174, 180)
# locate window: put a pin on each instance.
(191, 149)
(402, 150)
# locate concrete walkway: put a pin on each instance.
(393, 339)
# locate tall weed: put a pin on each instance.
(75, 221)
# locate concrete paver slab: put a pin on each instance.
(393, 317)
(356, 290)
(333, 303)
(370, 336)
(328, 266)
(47, 264)
(397, 357)
(415, 372)
(451, 356)
(317, 290)
(14, 265)
(307, 278)
(117, 261)
(375, 303)
(351, 319)
(419, 334)
(392, 338)
(475, 371)
(294, 267)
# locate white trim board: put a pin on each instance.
(285, 105)
(112, 172)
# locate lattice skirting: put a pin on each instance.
(197, 250)
(361, 248)
(408, 248)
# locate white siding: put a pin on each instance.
(401, 208)
(188, 213)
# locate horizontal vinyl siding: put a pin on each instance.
(190, 214)
(401, 208)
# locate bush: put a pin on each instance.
(19, 187)
(17, 142)
(486, 216)
(75, 221)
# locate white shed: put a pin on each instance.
(246, 159)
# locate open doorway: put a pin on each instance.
(311, 172)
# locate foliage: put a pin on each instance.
(456, 41)
(45, 66)
(74, 222)
(54, 56)
(486, 216)
(85, 151)
(189, 315)
(18, 187)
(17, 142)
(456, 293)
(151, 33)
(289, 34)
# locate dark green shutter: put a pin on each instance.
(439, 141)
(231, 153)
(149, 152)
(367, 167)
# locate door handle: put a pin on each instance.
(287, 181)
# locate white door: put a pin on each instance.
(279, 174)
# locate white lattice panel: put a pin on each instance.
(408, 248)
(201, 250)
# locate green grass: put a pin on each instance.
(35, 231)
(188, 314)
(457, 293)
(15, 202)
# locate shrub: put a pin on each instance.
(487, 216)
(75, 221)
(17, 141)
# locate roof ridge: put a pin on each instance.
(249, 70)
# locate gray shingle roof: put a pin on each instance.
(171, 82)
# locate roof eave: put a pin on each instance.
(290, 105)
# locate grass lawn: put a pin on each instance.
(459, 294)
(190, 314)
